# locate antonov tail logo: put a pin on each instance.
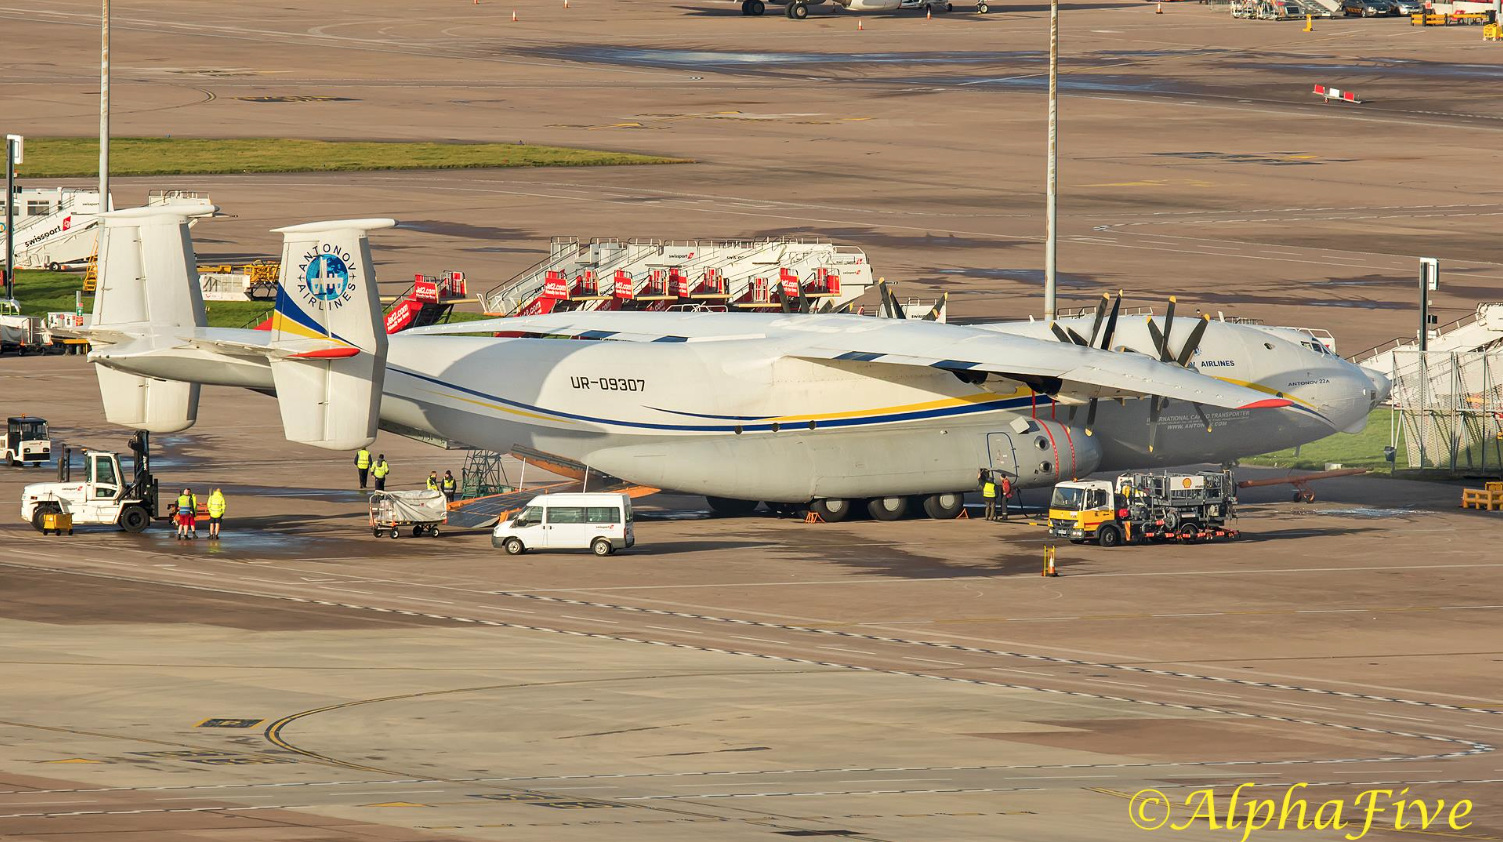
(325, 272)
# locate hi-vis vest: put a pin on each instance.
(449, 483)
(363, 459)
(989, 490)
(432, 483)
(216, 505)
(381, 470)
(185, 504)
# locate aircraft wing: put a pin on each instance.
(1071, 371)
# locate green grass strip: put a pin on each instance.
(73, 157)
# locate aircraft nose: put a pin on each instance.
(1382, 386)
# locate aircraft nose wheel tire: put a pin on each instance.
(513, 547)
(944, 506)
(602, 547)
(831, 510)
(887, 508)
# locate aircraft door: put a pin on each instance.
(1003, 458)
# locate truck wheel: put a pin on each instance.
(36, 516)
(1188, 532)
(602, 547)
(134, 519)
(513, 546)
(1109, 536)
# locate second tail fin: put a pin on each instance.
(328, 317)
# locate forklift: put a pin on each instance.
(101, 496)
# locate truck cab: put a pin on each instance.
(1081, 509)
(26, 441)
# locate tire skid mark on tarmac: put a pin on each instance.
(956, 647)
(1466, 747)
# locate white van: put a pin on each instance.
(597, 522)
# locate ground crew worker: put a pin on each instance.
(380, 471)
(449, 486)
(989, 494)
(363, 465)
(433, 480)
(216, 513)
(1006, 493)
(187, 515)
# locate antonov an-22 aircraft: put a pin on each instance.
(829, 411)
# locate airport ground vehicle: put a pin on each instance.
(1144, 506)
(393, 512)
(601, 523)
(102, 496)
(26, 441)
(1366, 8)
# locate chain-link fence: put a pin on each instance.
(1449, 408)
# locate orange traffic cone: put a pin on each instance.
(513, 17)
(1159, 9)
(566, 4)
(859, 27)
(1049, 561)
(928, 14)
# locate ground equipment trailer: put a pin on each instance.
(1145, 506)
(102, 496)
(26, 441)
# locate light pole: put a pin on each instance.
(13, 152)
(1051, 178)
(104, 106)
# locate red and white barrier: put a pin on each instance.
(1329, 94)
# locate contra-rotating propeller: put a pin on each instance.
(1186, 352)
(1066, 334)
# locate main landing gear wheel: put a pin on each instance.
(832, 510)
(887, 508)
(944, 506)
(754, 8)
(798, 11)
(728, 507)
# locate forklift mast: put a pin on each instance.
(143, 485)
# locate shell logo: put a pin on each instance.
(1186, 482)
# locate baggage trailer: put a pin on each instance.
(1145, 506)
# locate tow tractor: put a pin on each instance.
(1145, 506)
(26, 441)
(102, 496)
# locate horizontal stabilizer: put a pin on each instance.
(146, 403)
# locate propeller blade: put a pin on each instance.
(1164, 355)
(1100, 314)
(1059, 333)
(1077, 338)
(1090, 417)
(1111, 323)
(1203, 419)
(1159, 339)
(1153, 422)
(1193, 342)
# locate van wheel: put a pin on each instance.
(134, 519)
(602, 547)
(1109, 536)
(513, 546)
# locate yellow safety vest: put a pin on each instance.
(216, 505)
(989, 490)
(432, 483)
(449, 484)
(184, 503)
(363, 459)
(381, 470)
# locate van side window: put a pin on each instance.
(603, 514)
(566, 514)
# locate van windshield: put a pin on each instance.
(529, 516)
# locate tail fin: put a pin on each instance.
(328, 315)
(148, 287)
